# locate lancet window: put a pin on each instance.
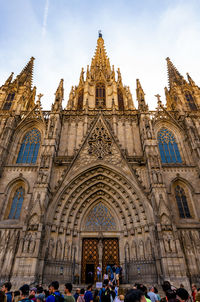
(120, 99)
(80, 100)
(29, 148)
(100, 95)
(168, 147)
(190, 101)
(16, 205)
(9, 101)
(182, 203)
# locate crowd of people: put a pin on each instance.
(108, 293)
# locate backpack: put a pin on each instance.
(105, 295)
(58, 298)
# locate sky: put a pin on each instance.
(62, 36)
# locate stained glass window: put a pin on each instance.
(190, 101)
(29, 147)
(16, 204)
(120, 99)
(168, 147)
(182, 204)
(100, 95)
(100, 218)
(8, 101)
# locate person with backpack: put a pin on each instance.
(106, 294)
(81, 296)
(68, 293)
(55, 295)
(24, 293)
(88, 294)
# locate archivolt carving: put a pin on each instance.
(104, 182)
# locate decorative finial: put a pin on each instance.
(39, 97)
(100, 33)
(158, 99)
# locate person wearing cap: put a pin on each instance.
(24, 293)
(32, 294)
(77, 293)
(6, 289)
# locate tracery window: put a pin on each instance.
(29, 148)
(190, 100)
(182, 204)
(16, 204)
(120, 99)
(100, 95)
(100, 218)
(168, 147)
(8, 101)
(80, 100)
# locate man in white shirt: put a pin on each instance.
(152, 295)
(99, 273)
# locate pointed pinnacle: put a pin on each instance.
(26, 74)
(60, 90)
(8, 81)
(173, 74)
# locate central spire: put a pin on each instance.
(100, 66)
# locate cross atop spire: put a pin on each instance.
(100, 66)
(173, 75)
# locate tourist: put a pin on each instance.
(32, 294)
(40, 293)
(96, 296)
(99, 273)
(105, 277)
(120, 295)
(171, 296)
(68, 293)
(16, 296)
(105, 295)
(152, 295)
(24, 293)
(77, 293)
(194, 292)
(112, 293)
(55, 295)
(134, 295)
(197, 297)
(2, 296)
(182, 294)
(143, 288)
(81, 296)
(117, 274)
(6, 289)
(156, 292)
(88, 294)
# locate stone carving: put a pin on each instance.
(100, 142)
(169, 243)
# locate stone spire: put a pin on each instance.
(174, 77)
(190, 80)
(100, 65)
(142, 106)
(59, 95)
(26, 75)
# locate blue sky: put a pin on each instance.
(62, 36)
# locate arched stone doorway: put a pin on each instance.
(102, 249)
(129, 217)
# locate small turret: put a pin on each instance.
(142, 106)
(59, 95)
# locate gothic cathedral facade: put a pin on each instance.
(99, 182)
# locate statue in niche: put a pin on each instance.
(32, 245)
(141, 249)
(155, 177)
(45, 161)
(59, 250)
(148, 129)
(51, 127)
(67, 250)
(50, 248)
(100, 248)
(134, 250)
(167, 244)
(173, 245)
(26, 244)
